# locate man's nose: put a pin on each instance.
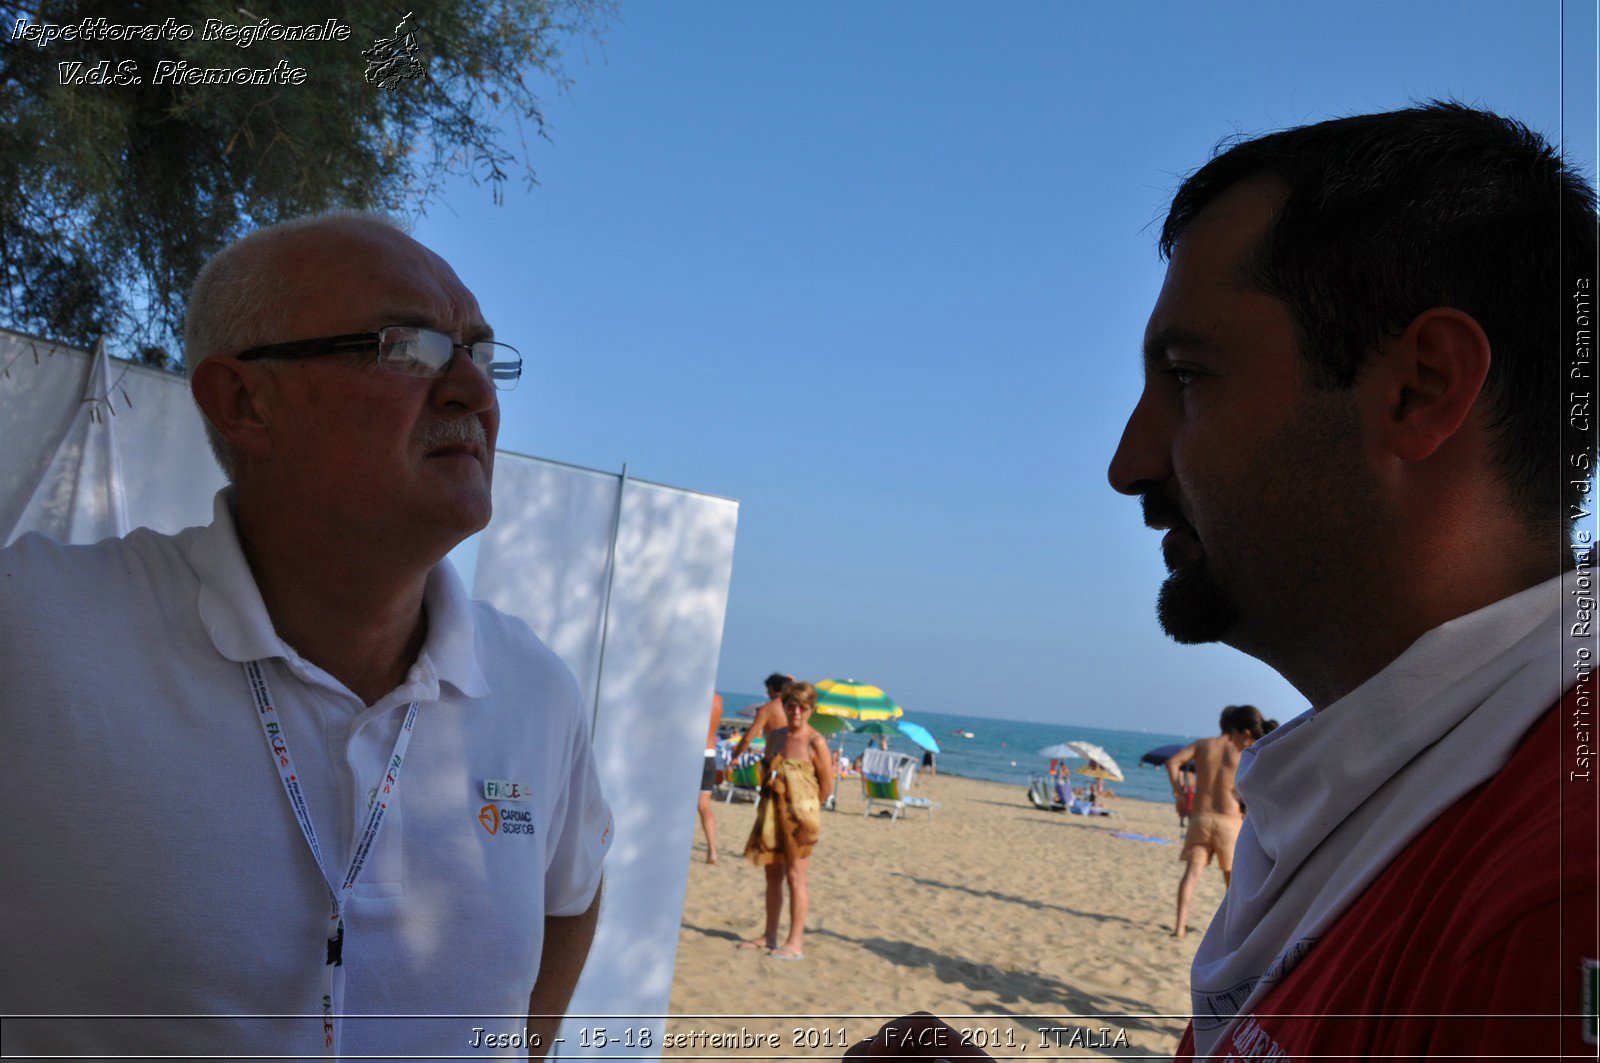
(1144, 454)
(463, 383)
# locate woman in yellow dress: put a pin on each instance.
(797, 781)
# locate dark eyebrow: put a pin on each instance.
(1157, 346)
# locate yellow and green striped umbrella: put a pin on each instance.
(858, 701)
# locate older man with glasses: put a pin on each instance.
(277, 780)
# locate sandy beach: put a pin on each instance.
(1044, 933)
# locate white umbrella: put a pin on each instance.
(1059, 751)
(1101, 764)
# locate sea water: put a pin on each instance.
(1006, 751)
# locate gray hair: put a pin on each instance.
(237, 301)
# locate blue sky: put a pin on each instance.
(879, 271)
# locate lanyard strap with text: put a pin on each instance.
(333, 966)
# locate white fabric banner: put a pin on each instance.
(547, 557)
(79, 499)
(51, 449)
(669, 579)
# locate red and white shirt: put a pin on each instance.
(1479, 939)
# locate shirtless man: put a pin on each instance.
(1215, 814)
(769, 717)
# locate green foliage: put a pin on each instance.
(113, 196)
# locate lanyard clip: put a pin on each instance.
(336, 947)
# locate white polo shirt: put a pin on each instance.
(150, 863)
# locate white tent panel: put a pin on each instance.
(79, 498)
(40, 390)
(167, 473)
(663, 628)
(542, 511)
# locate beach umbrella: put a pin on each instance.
(1161, 754)
(1104, 767)
(828, 726)
(874, 727)
(1060, 751)
(918, 734)
(858, 701)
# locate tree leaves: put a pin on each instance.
(112, 196)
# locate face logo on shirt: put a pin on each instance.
(489, 816)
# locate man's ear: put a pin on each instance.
(232, 396)
(1431, 376)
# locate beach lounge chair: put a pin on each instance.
(886, 780)
(745, 777)
(1042, 794)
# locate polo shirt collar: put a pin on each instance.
(236, 618)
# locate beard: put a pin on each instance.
(1193, 608)
(1309, 556)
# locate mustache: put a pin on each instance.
(449, 433)
(1160, 511)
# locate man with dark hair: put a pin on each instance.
(1215, 814)
(1365, 429)
(1356, 430)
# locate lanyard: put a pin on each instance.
(338, 899)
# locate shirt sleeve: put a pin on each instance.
(582, 833)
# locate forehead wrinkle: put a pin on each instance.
(476, 329)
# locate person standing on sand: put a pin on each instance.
(769, 717)
(1215, 814)
(798, 780)
(708, 779)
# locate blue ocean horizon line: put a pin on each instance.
(1004, 751)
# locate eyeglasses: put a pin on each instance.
(419, 352)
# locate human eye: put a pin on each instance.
(1181, 375)
(415, 350)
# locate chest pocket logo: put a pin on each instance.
(489, 816)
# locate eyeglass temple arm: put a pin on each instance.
(352, 341)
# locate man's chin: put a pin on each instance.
(460, 510)
(1193, 609)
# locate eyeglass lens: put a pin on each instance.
(427, 353)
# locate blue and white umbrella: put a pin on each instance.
(918, 734)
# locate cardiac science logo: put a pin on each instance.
(504, 821)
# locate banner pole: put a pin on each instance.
(605, 609)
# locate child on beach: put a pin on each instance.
(798, 779)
